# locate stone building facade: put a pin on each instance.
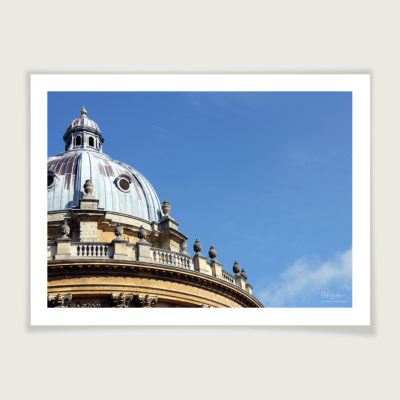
(111, 243)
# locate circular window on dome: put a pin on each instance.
(123, 183)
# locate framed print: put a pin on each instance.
(267, 220)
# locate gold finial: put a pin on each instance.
(83, 111)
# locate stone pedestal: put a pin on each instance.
(170, 238)
(167, 223)
(88, 203)
(240, 281)
(63, 248)
(120, 250)
(216, 268)
(201, 264)
(143, 251)
(249, 288)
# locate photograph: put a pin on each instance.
(208, 195)
(200, 199)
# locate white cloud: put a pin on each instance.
(305, 282)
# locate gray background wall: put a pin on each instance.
(207, 36)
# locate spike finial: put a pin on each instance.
(83, 111)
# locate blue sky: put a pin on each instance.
(265, 177)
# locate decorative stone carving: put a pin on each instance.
(166, 208)
(119, 231)
(244, 274)
(142, 233)
(121, 300)
(65, 230)
(145, 301)
(88, 187)
(59, 300)
(236, 268)
(184, 247)
(197, 246)
(212, 252)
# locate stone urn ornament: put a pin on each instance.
(65, 229)
(88, 187)
(119, 231)
(197, 246)
(183, 247)
(236, 268)
(166, 208)
(141, 233)
(212, 252)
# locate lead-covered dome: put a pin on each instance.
(83, 122)
(118, 186)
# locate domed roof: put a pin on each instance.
(83, 123)
(118, 186)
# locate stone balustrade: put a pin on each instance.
(131, 251)
(91, 249)
(166, 257)
(228, 277)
